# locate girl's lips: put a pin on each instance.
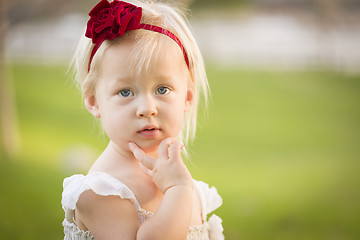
(149, 133)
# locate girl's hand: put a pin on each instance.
(168, 170)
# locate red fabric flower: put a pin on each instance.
(111, 20)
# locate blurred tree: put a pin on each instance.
(329, 12)
(11, 14)
(10, 140)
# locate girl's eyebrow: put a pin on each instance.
(120, 80)
(115, 82)
(164, 77)
(123, 79)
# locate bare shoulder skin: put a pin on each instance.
(103, 216)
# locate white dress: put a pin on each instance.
(104, 184)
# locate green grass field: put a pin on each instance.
(282, 148)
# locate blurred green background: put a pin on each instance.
(280, 144)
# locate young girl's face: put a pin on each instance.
(143, 108)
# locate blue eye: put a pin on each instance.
(162, 90)
(126, 93)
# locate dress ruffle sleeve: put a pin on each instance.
(100, 183)
(210, 201)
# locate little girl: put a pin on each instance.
(141, 74)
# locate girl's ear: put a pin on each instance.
(92, 106)
(189, 98)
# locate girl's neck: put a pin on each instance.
(115, 157)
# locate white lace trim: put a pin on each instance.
(198, 232)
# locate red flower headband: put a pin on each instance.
(111, 20)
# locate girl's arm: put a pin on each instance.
(107, 217)
(172, 219)
(110, 217)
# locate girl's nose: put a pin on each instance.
(146, 108)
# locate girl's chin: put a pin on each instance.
(150, 148)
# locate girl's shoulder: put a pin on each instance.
(100, 183)
(210, 201)
(209, 197)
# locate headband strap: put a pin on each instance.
(170, 35)
(111, 20)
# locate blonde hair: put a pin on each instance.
(167, 17)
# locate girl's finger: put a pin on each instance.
(164, 147)
(139, 154)
(175, 149)
(146, 170)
